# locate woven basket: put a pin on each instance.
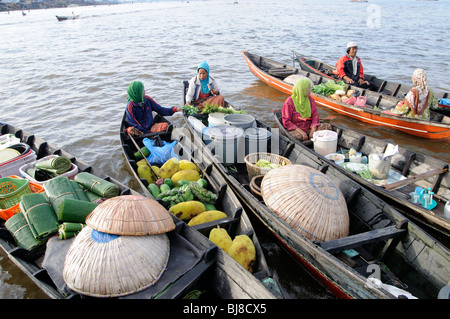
(8, 212)
(105, 265)
(11, 189)
(131, 215)
(307, 200)
(253, 158)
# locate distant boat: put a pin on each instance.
(72, 17)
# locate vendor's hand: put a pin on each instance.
(215, 92)
(302, 133)
(178, 109)
(312, 131)
(361, 82)
(348, 80)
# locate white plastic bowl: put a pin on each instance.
(337, 158)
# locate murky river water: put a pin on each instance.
(66, 81)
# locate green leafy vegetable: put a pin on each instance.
(329, 88)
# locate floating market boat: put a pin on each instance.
(408, 170)
(236, 221)
(380, 239)
(64, 18)
(202, 270)
(390, 88)
(276, 74)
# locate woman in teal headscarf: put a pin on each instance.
(203, 89)
(299, 112)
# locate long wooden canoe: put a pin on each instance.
(418, 170)
(237, 221)
(213, 273)
(273, 73)
(390, 88)
(414, 260)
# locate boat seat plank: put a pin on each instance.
(373, 236)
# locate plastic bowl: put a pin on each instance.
(336, 157)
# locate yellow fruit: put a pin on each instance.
(142, 162)
(185, 164)
(243, 251)
(189, 174)
(220, 237)
(207, 216)
(156, 169)
(187, 210)
(145, 172)
(169, 168)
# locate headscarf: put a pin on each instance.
(204, 83)
(300, 99)
(136, 92)
(418, 102)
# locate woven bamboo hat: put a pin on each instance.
(104, 265)
(130, 215)
(307, 200)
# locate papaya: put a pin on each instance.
(243, 251)
(207, 216)
(145, 172)
(187, 210)
(185, 164)
(169, 168)
(156, 170)
(220, 237)
(142, 162)
(189, 174)
(164, 188)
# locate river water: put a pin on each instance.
(66, 81)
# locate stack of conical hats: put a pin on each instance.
(308, 200)
(123, 249)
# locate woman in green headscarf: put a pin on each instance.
(299, 112)
(140, 108)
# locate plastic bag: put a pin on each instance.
(159, 154)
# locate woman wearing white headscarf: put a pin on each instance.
(419, 99)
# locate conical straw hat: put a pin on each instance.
(130, 215)
(307, 200)
(104, 265)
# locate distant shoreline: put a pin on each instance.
(6, 7)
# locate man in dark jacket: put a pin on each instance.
(349, 67)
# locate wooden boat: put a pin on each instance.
(237, 221)
(406, 248)
(214, 273)
(419, 170)
(63, 18)
(390, 88)
(273, 73)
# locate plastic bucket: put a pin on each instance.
(379, 168)
(243, 121)
(226, 143)
(325, 142)
(216, 118)
(257, 140)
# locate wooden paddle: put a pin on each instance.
(416, 178)
(138, 148)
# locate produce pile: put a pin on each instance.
(334, 90)
(185, 194)
(267, 164)
(209, 108)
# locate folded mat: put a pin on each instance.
(39, 214)
(57, 189)
(68, 230)
(21, 232)
(97, 185)
(74, 210)
(57, 165)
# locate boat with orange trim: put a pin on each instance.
(275, 74)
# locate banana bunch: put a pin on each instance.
(202, 194)
(175, 196)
